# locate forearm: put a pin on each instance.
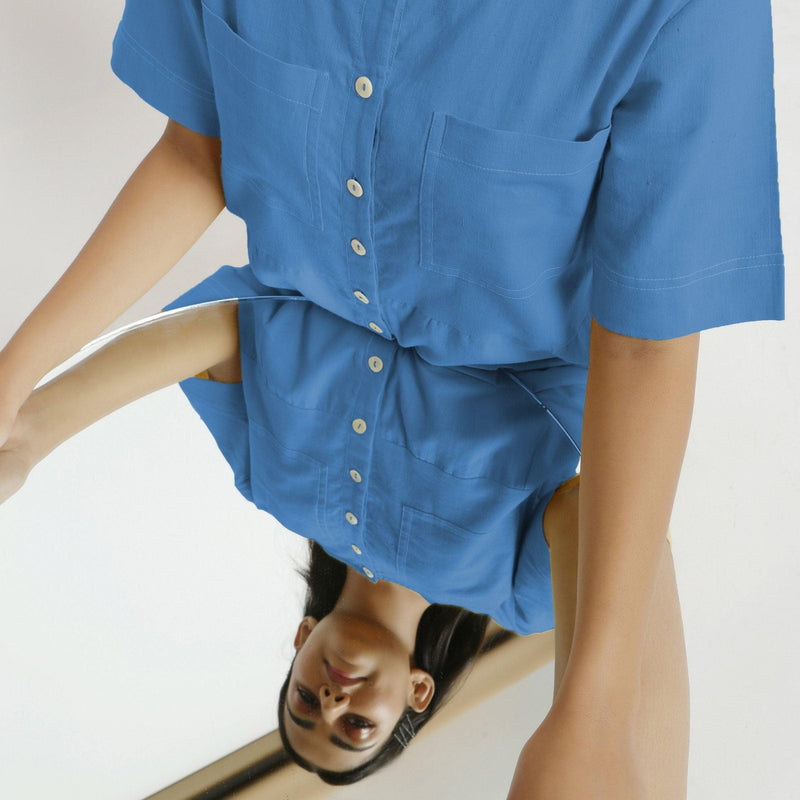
(164, 207)
(636, 422)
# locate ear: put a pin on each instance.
(307, 624)
(421, 689)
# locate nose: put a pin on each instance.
(333, 701)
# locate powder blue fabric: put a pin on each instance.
(523, 168)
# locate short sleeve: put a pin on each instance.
(159, 50)
(684, 231)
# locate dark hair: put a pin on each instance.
(448, 640)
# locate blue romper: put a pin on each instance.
(438, 197)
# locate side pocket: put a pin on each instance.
(221, 407)
(288, 484)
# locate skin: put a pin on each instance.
(636, 421)
(178, 346)
(170, 199)
(370, 634)
(662, 721)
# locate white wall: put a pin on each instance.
(137, 599)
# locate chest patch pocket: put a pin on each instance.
(503, 209)
(269, 115)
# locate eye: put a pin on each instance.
(307, 697)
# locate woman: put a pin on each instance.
(487, 204)
(406, 655)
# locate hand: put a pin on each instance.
(575, 756)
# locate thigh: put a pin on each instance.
(561, 532)
(663, 723)
(227, 370)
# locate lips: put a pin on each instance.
(340, 678)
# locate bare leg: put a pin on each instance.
(663, 722)
(561, 533)
(164, 351)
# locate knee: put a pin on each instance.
(560, 519)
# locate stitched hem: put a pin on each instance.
(167, 92)
(726, 293)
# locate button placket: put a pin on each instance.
(364, 88)
(364, 290)
(362, 431)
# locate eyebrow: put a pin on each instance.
(305, 723)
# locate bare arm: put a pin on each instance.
(168, 202)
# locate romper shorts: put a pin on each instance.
(224, 409)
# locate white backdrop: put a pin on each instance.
(144, 625)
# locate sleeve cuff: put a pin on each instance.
(190, 105)
(737, 290)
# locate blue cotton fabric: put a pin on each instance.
(455, 189)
